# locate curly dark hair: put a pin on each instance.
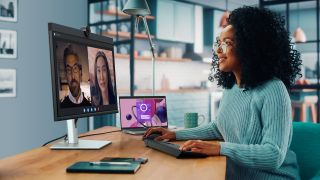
(263, 47)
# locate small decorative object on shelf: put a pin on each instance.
(165, 85)
(112, 6)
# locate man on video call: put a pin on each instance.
(73, 70)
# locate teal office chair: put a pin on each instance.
(306, 144)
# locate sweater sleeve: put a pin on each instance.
(276, 132)
(206, 132)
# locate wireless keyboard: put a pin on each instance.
(172, 149)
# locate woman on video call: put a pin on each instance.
(104, 88)
(256, 64)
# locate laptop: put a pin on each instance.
(138, 113)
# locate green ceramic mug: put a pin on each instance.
(191, 120)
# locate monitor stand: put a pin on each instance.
(73, 141)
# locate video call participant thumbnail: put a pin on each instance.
(104, 93)
(73, 70)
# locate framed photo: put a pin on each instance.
(9, 10)
(8, 44)
(7, 83)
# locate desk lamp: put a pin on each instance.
(140, 8)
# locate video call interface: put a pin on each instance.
(143, 112)
(86, 78)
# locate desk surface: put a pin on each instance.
(43, 163)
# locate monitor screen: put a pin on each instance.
(139, 111)
(83, 73)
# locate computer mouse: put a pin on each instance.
(153, 136)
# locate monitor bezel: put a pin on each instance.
(141, 97)
(103, 40)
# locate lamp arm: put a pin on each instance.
(152, 46)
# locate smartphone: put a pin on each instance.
(141, 160)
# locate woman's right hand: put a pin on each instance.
(165, 133)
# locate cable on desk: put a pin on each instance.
(64, 136)
(99, 133)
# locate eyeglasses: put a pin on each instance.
(223, 45)
(73, 69)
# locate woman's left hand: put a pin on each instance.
(208, 148)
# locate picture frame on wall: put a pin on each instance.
(9, 10)
(7, 83)
(8, 44)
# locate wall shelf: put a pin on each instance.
(160, 91)
(143, 58)
(310, 41)
(125, 34)
(120, 14)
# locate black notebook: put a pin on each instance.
(104, 167)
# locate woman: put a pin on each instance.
(255, 63)
(104, 92)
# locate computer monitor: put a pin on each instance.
(83, 80)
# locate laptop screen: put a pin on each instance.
(143, 111)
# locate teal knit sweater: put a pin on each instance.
(256, 127)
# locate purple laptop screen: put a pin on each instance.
(143, 112)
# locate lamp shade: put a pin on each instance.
(223, 21)
(137, 8)
(299, 35)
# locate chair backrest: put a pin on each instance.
(306, 144)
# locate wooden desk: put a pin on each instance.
(43, 163)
